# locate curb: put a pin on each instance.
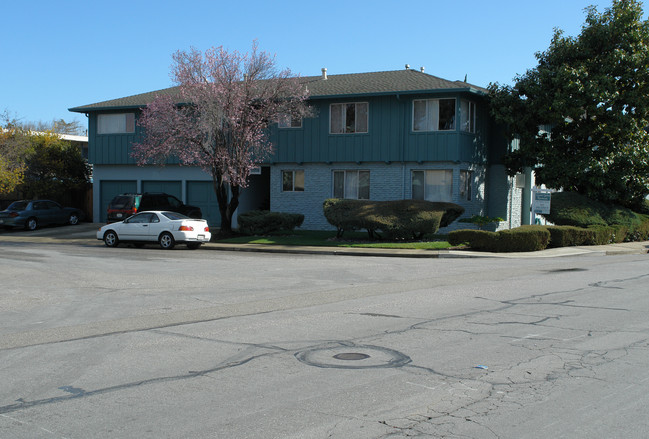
(85, 234)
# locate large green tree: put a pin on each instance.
(581, 116)
(38, 164)
(53, 167)
(14, 148)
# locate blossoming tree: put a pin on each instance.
(218, 117)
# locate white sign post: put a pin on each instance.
(541, 200)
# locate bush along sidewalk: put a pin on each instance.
(401, 219)
(579, 221)
(262, 222)
(520, 239)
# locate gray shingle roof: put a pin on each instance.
(353, 84)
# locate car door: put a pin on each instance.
(135, 228)
(56, 214)
(155, 227)
(40, 211)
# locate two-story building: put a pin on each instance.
(381, 136)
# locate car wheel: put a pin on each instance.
(74, 219)
(193, 245)
(111, 239)
(31, 224)
(166, 241)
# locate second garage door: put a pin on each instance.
(201, 194)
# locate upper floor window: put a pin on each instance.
(348, 118)
(432, 185)
(293, 181)
(352, 184)
(288, 121)
(433, 115)
(119, 123)
(467, 116)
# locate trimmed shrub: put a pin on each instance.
(400, 219)
(520, 239)
(618, 223)
(451, 211)
(476, 239)
(261, 222)
(569, 236)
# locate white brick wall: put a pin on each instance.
(387, 182)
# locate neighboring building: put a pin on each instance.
(381, 136)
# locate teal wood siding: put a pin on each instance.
(114, 149)
(390, 137)
(110, 149)
(313, 143)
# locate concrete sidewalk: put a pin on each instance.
(85, 233)
(602, 250)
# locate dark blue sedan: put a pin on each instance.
(31, 214)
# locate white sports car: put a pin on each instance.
(166, 228)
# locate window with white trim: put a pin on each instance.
(467, 116)
(288, 121)
(433, 115)
(119, 123)
(348, 118)
(293, 181)
(352, 184)
(432, 185)
(466, 181)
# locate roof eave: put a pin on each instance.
(403, 92)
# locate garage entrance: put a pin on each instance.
(107, 191)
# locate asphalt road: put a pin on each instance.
(145, 343)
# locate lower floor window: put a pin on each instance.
(352, 184)
(466, 178)
(293, 181)
(432, 185)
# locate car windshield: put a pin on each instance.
(18, 205)
(175, 215)
(121, 202)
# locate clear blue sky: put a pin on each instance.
(57, 55)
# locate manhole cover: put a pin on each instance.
(345, 356)
(351, 356)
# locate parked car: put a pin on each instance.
(31, 214)
(125, 205)
(165, 227)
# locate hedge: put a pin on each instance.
(261, 222)
(400, 219)
(620, 223)
(520, 239)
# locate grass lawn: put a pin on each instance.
(328, 239)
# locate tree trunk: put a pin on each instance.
(221, 191)
(226, 209)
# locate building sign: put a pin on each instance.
(541, 200)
